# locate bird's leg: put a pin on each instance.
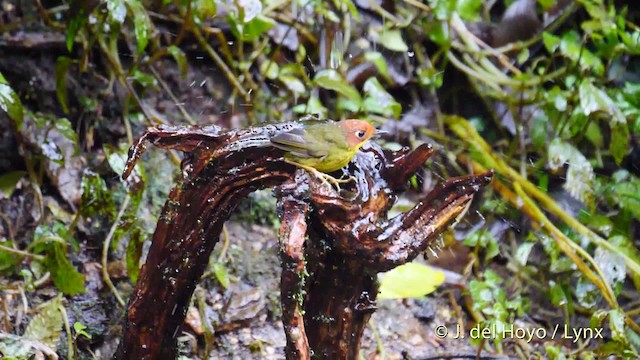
(326, 178)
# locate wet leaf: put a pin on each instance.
(616, 325)
(64, 127)
(580, 175)
(294, 84)
(410, 280)
(251, 30)
(222, 275)
(117, 10)
(522, 253)
(9, 181)
(625, 246)
(10, 103)
(379, 101)
(46, 326)
(332, 80)
(141, 23)
(64, 275)
(61, 69)
(180, 58)
(392, 40)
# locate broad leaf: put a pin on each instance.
(410, 280)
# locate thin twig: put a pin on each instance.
(65, 320)
(22, 253)
(105, 250)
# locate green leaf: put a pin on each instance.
(8, 261)
(251, 30)
(64, 127)
(64, 275)
(79, 330)
(627, 196)
(379, 101)
(551, 42)
(522, 253)
(294, 84)
(46, 326)
(145, 80)
(269, 69)
(134, 252)
(313, 106)
(9, 181)
(392, 40)
(10, 103)
(204, 8)
(332, 80)
(220, 271)
(594, 100)
(74, 27)
(141, 23)
(469, 9)
(180, 58)
(379, 62)
(439, 33)
(580, 174)
(616, 325)
(410, 280)
(572, 48)
(619, 145)
(96, 197)
(61, 69)
(540, 132)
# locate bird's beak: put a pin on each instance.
(379, 133)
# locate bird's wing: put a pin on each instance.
(298, 144)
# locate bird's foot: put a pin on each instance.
(325, 178)
(330, 180)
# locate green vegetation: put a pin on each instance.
(555, 113)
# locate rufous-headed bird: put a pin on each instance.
(322, 147)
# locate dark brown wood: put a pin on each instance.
(292, 237)
(350, 238)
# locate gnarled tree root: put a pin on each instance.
(350, 239)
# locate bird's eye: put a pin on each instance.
(360, 134)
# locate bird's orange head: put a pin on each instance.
(357, 132)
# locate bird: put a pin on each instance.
(322, 147)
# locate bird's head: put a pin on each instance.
(357, 132)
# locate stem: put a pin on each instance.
(21, 253)
(105, 250)
(71, 354)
